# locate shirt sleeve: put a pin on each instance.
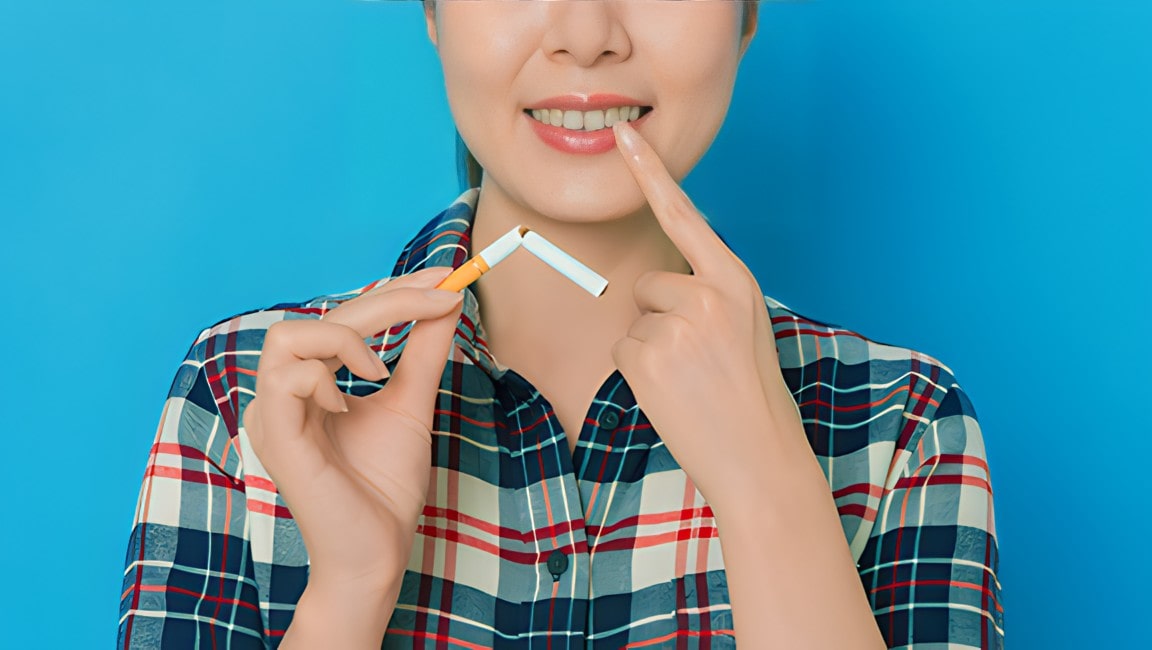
(929, 566)
(189, 576)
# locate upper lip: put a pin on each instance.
(579, 102)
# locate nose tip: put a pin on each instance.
(586, 60)
(586, 32)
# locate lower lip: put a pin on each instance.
(579, 142)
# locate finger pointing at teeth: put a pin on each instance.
(682, 222)
(703, 350)
(711, 260)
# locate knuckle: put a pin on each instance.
(314, 369)
(348, 338)
(648, 361)
(644, 283)
(269, 382)
(291, 378)
(277, 334)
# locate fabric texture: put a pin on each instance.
(215, 559)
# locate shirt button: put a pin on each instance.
(609, 420)
(557, 564)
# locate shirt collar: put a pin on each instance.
(446, 240)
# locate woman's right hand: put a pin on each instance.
(354, 471)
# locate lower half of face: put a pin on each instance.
(512, 70)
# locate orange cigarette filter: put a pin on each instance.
(464, 274)
(470, 271)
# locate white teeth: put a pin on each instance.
(573, 120)
(586, 121)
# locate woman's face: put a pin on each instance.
(674, 61)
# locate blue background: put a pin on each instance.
(970, 178)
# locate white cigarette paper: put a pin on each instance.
(495, 252)
(567, 265)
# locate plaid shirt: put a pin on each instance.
(523, 544)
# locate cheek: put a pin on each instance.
(695, 87)
(699, 80)
(690, 38)
(485, 42)
(469, 67)
(481, 55)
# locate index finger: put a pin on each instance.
(681, 221)
(375, 311)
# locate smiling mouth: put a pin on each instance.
(587, 120)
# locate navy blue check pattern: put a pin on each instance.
(215, 559)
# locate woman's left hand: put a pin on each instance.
(723, 410)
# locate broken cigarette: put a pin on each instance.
(548, 252)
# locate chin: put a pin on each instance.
(575, 202)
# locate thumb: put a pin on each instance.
(417, 377)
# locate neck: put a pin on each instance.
(526, 305)
(611, 245)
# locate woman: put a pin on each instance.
(678, 463)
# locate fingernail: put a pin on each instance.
(625, 135)
(381, 367)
